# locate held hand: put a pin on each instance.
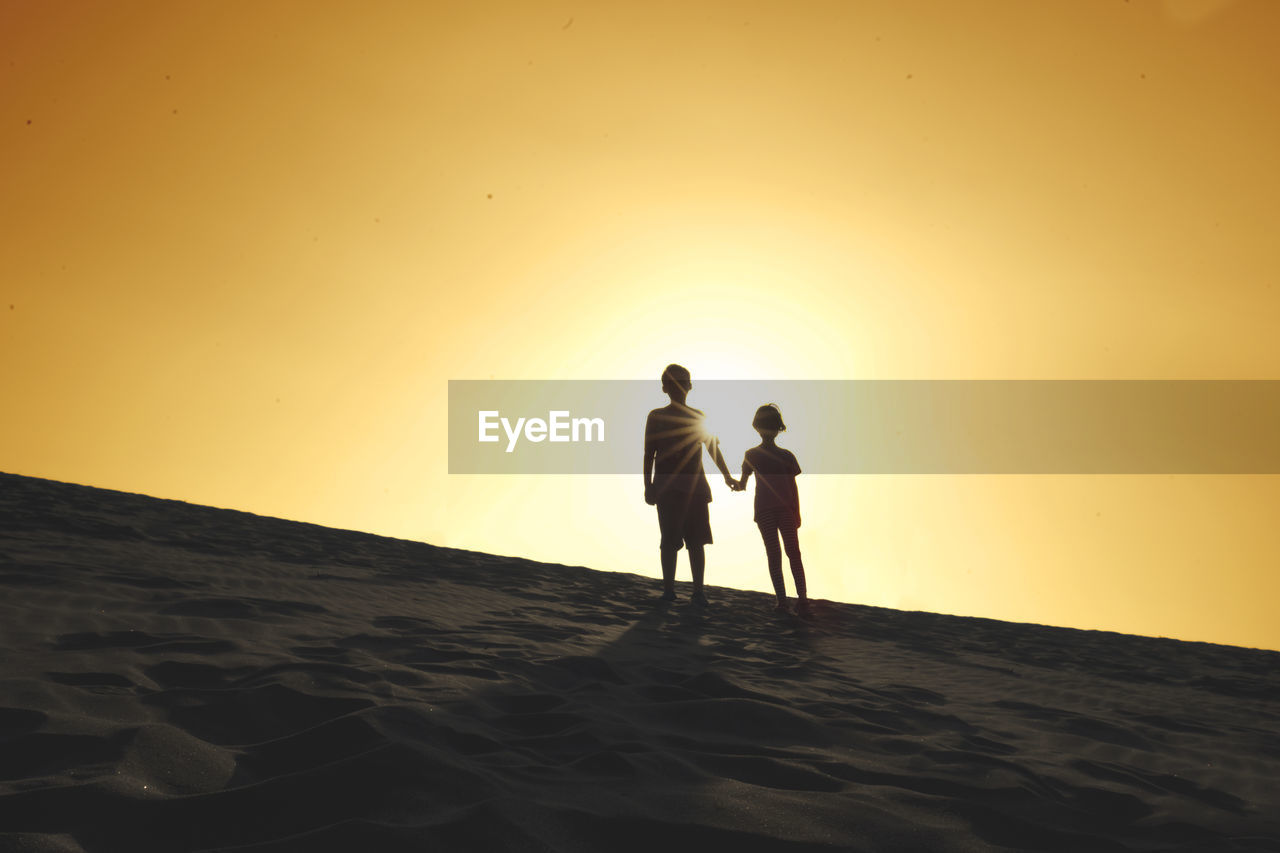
(649, 496)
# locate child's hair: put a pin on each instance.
(769, 416)
(677, 375)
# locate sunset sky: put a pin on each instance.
(247, 244)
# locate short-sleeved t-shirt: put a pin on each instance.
(775, 469)
(677, 433)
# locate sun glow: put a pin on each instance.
(248, 283)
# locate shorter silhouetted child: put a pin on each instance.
(777, 507)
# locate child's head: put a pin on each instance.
(676, 377)
(768, 420)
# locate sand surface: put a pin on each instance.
(180, 678)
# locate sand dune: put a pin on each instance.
(180, 678)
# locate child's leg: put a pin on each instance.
(697, 566)
(669, 570)
(769, 532)
(791, 541)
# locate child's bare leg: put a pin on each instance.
(773, 554)
(669, 571)
(697, 566)
(791, 542)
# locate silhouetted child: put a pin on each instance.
(674, 481)
(777, 509)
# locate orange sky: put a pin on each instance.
(247, 244)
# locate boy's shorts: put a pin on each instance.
(683, 520)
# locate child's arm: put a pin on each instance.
(650, 454)
(746, 474)
(716, 456)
